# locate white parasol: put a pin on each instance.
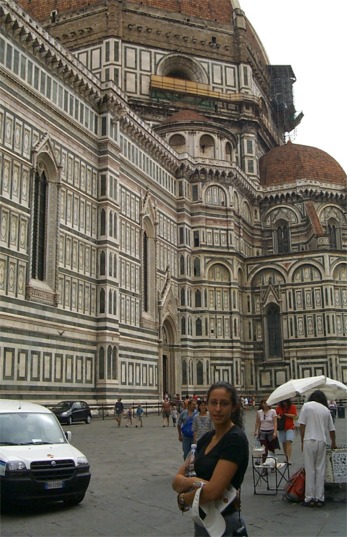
(295, 387)
(333, 389)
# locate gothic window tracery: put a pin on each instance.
(198, 327)
(184, 372)
(101, 363)
(199, 373)
(196, 266)
(198, 298)
(103, 222)
(282, 237)
(39, 226)
(273, 325)
(215, 195)
(182, 265)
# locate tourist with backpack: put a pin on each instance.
(185, 426)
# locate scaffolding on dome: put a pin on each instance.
(285, 116)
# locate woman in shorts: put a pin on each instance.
(286, 436)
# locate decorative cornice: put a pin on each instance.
(303, 189)
(230, 175)
(30, 35)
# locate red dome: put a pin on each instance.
(291, 162)
(220, 11)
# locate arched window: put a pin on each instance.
(199, 373)
(183, 326)
(39, 227)
(207, 146)
(110, 302)
(183, 297)
(110, 224)
(332, 233)
(103, 222)
(198, 298)
(182, 264)
(148, 268)
(101, 363)
(273, 321)
(45, 222)
(282, 237)
(102, 301)
(115, 226)
(228, 152)
(196, 266)
(109, 362)
(114, 303)
(102, 263)
(178, 143)
(184, 372)
(110, 265)
(145, 272)
(198, 327)
(114, 364)
(215, 195)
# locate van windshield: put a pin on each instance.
(24, 428)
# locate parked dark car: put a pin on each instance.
(72, 411)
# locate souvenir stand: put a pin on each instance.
(336, 466)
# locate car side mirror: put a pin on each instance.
(68, 435)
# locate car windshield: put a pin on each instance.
(24, 428)
(63, 406)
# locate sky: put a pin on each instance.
(309, 35)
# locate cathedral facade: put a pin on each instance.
(157, 233)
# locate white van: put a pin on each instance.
(37, 462)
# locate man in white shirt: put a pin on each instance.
(316, 426)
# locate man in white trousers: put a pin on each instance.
(316, 426)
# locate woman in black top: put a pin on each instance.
(221, 459)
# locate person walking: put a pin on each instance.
(185, 426)
(129, 417)
(221, 462)
(316, 429)
(166, 409)
(202, 421)
(118, 410)
(174, 415)
(333, 409)
(287, 434)
(139, 415)
(265, 429)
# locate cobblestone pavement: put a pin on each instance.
(130, 492)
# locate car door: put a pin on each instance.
(85, 410)
(77, 411)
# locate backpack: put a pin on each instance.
(294, 490)
(187, 427)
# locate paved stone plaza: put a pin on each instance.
(130, 492)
